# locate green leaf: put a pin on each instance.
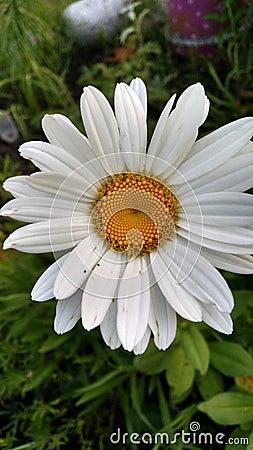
(14, 302)
(210, 384)
(250, 445)
(238, 437)
(243, 298)
(180, 373)
(137, 393)
(30, 446)
(52, 342)
(229, 408)
(163, 405)
(196, 349)
(152, 361)
(231, 359)
(101, 386)
(36, 378)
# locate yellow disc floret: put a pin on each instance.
(135, 213)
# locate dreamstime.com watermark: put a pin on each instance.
(193, 436)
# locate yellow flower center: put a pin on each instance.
(135, 213)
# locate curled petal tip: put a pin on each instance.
(7, 244)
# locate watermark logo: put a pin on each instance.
(193, 436)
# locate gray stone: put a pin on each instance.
(87, 19)
(8, 130)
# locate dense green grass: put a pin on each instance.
(71, 391)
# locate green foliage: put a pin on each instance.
(8, 169)
(238, 28)
(210, 384)
(196, 349)
(71, 391)
(229, 408)
(66, 380)
(231, 359)
(180, 373)
(143, 63)
(32, 79)
(151, 362)
(63, 386)
(233, 86)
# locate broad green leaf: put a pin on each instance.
(231, 359)
(152, 361)
(196, 348)
(180, 373)
(210, 384)
(229, 408)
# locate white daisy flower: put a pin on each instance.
(138, 233)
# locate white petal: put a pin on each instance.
(36, 209)
(175, 294)
(44, 286)
(133, 304)
(232, 263)
(100, 289)
(221, 133)
(214, 149)
(206, 110)
(216, 319)
(227, 234)
(62, 186)
(99, 122)
(142, 345)
(68, 312)
(94, 310)
(105, 277)
(233, 175)
(139, 88)
(159, 136)
(49, 235)
(221, 209)
(109, 327)
(197, 275)
(49, 158)
(227, 247)
(162, 320)
(132, 124)
(246, 149)
(18, 187)
(181, 128)
(109, 163)
(61, 132)
(78, 266)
